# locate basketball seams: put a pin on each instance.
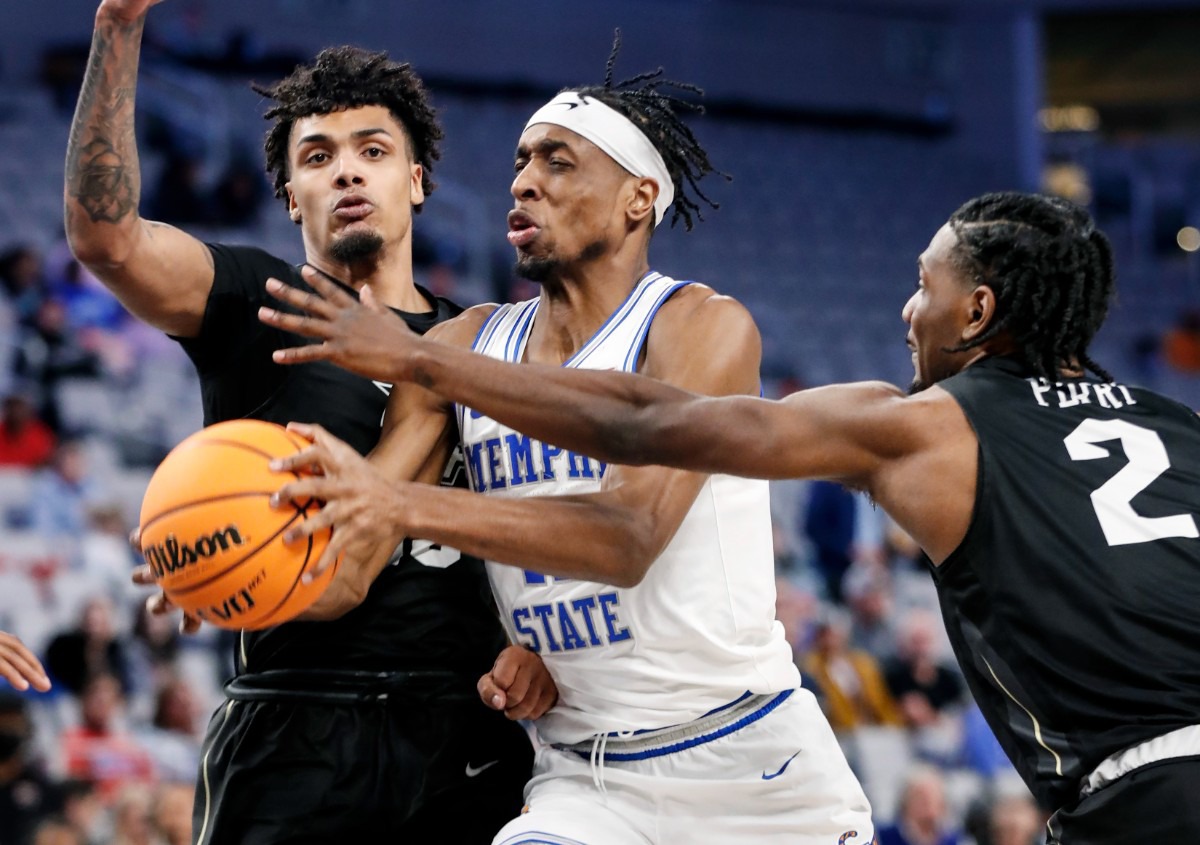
(194, 502)
(266, 622)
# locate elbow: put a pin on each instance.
(97, 247)
(637, 554)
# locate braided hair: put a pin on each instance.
(656, 113)
(342, 78)
(1051, 270)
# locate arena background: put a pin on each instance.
(852, 128)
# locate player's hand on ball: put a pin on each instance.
(19, 665)
(158, 604)
(519, 684)
(362, 336)
(358, 501)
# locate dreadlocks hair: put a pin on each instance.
(1051, 270)
(656, 113)
(342, 78)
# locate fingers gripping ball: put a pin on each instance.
(211, 538)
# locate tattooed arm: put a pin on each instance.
(160, 273)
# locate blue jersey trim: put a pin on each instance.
(614, 319)
(644, 328)
(520, 330)
(692, 742)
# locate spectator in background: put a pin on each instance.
(84, 812)
(22, 281)
(55, 831)
(850, 683)
(924, 687)
(240, 192)
(132, 816)
(867, 589)
(25, 441)
(101, 748)
(60, 498)
(171, 738)
(88, 303)
(1181, 345)
(27, 795)
(179, 198)
(91, 649)
(829, 520)
(921, 819)
(49, 352)
(1015, 820)
(172, 812)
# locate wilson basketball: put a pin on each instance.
(211, 537)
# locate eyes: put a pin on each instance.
(556, 164)
(319, 157)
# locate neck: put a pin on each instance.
(389, 273)
(577, 302)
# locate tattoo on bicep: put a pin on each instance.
(102, 166)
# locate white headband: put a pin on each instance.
(616, 135)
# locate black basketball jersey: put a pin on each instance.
(433, 610)
(1073, 603)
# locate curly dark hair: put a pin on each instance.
(343, 78)
(656, 113)
(1051, 270)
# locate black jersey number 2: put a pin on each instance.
(1147, 461)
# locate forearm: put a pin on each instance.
(609, 544)
(103, 182)
(610, 416)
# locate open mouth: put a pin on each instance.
(521, 229)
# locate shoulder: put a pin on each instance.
(705, 342)
(245, 269)
(463, 329)
(698, 314)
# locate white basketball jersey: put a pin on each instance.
(700, 629)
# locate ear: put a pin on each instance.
(641, 202)
(293, 208)
(981, 310)
(416, 190)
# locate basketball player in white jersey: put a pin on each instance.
(649, 592)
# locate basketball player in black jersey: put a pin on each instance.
(1059, 508)
(363, 724)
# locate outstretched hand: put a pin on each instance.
(19, 666)
(363, 336)
(127, 10)
(359, 501)
(519, 684)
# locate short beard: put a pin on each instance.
(537, 269)
(356, 247)
(543, 270)
(917, 386)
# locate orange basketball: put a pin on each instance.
(211, 537)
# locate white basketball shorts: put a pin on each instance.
(765, 770)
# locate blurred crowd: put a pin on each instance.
(110, 754)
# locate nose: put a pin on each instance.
(907, 311)
(525, 185)
(346, 172)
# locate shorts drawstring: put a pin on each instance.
(599, 744)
